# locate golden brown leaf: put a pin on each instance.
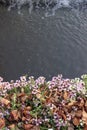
(48, 100)
(1, 87)
(78, 113)
(23, 118)
(72, 103)
(5, 101)
(12, 126)
(2, 123)
(27, 126)
(28, 108)
(61, 113)
(30, 96)
(35, 128)
(76, 121)
(14, 115)
(24, 98)
(85, 127)
(80, 103)
(64, 116)
(65, 95)
(84, 116)
(26, 113)
(85, 106)
(38, 95)
(70, 128)
(21, 94)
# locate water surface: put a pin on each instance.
(36, 45)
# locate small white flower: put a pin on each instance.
(1, 79)
(23, 78)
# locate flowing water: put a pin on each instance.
(36, 44)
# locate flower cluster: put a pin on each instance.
(29, 104)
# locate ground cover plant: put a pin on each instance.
(29, 104)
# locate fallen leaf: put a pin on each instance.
(12, 126)
(70, 128)
(28, 108)
(61, 113)
(76, 121)
(20, 94)
(27, 126)
(85, 106)
(72, 103)
(38, 95)
(78, 113)
(35, 128)
(5, 101)
(85, 127)
(64, 116)
(2, 123)
(14, 115)
(80, 103)
(23, 118)
(65, 95)
(84, 116)
(26, 113)
(1, 87)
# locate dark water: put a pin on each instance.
(35, 45)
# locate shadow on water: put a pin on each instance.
(36, 45)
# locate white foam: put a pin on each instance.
(47, 3)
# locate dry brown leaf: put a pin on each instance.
(48, 100)
(42, 88)
(28, 108)
(27, 126)
(5, 101)
(84, 116)
(85, 106)
(26, 113)
(2, 123)
(12, 126)
(72, 103)
(21, 94)
(78, 113)
(24, 98)
(35, 128)
(65, 95)
(76, 121)
(61, 113)
(30, 96)
(70, 128)
(64, 116)
(38, 95)
(1, 87)
(86, 103)
(23, 118)
(85, 127)
(80, 103)
(15, 115)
